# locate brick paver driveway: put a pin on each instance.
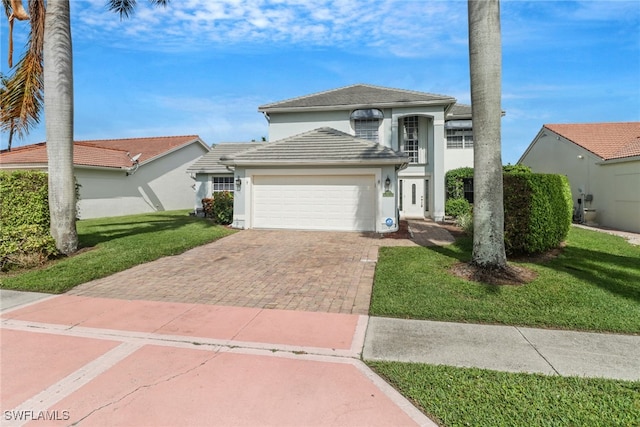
(294, 270)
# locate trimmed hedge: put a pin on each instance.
(537, 207)
(537, 212)
(219, 207)
(25, 239)
(457, 207)
(454, 181)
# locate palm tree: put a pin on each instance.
(485, 64)
(58, 113)
(47, 67)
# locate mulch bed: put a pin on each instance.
(402, 233)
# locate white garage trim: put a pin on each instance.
(307, 202)
(337, 199)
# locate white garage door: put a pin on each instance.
(334, 202)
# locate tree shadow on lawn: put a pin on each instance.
(617, 274)
(100, 233)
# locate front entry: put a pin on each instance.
(413, 195)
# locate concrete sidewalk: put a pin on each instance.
(98, 361)
(73, 360)
(504, 348)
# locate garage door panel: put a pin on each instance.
(344, 202)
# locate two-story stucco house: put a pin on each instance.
(354, 158)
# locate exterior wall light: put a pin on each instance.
(238, 184)
(387, 183)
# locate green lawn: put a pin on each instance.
(475, 397)
(109, 245)
(593, 285)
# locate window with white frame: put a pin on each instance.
(222, 183)
(410, 138)
(459, 134)
(366, 123)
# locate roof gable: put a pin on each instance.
(110, 153)
(606, 140)
(358, 95)
(321, 146)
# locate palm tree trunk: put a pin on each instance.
(58, 111)
(485, 64)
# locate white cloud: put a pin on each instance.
(400, 27)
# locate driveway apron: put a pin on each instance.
(278, 269)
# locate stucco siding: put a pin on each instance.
(613, 186)
(159, 185)
(455, 158)
(284, 125)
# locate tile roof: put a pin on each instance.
(459, 111)
(606, 140)
(358, 95)
(110, 153)
(210, 162)
(323, 146)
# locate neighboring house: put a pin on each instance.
(602, 162)
(211, 175)
(123, 176)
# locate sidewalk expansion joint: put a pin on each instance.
(537, 351)
(184, 341)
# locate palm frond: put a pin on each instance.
(125, 8)
(21, 95)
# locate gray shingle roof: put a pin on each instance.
(323, 146)
(358, 95)
(459, 111)
(210, 162)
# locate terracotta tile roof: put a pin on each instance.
(111, 153)
(606, 140)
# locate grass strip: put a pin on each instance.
(475, 397)
(110, 245)
(592, 285)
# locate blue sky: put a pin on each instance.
(204, 66)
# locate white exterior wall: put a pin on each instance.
(160, 185)
(385, 206)
(284, 125)
(455, 158)
(433, 156)
(614, 185)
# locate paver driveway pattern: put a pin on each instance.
(281, 269)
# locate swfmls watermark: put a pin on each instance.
(24, 415)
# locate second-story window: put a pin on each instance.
(410, 138)
(366, 123)
(459, 134)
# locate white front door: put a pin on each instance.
(413, 197)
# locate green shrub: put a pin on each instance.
(538, 209)
(223, 207)
(454, 181)
(219, 207)
(25, 246)
(457, 207)
(25, 239)
(516, 169)
(465, 222)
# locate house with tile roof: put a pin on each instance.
(356, 158)
(602, 162)
(123, 176)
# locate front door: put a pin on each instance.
(413, 201)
